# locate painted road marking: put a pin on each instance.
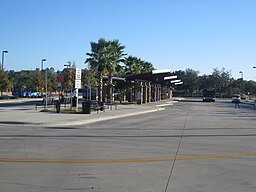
(127, 160)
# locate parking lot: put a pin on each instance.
(191, 146)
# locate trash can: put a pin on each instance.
(74, 101)
(86, 107)
(58, 106)
(102, 106)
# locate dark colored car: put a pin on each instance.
(209, 98)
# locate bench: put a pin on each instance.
(96, 106)
(110, 104)
(50, 101)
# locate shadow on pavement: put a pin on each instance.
(191, 101)
(18, 104)
(131, 136)
(18, 123)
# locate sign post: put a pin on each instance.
(78, 84)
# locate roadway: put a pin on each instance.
(190, 146)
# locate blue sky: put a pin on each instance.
(175, 34)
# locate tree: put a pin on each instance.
(205, 81)
(51, 79)
(146, 67)
(190, 79)
(250, 87)
(4, 82)
(68, 79)
(24, 81)
(134, 65)
(104, 59)
(97, 64)
(221, 79)
(115, 54)
(38, 80)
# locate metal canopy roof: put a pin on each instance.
(151, 76)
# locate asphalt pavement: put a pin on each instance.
(23, 111)
(190, 146)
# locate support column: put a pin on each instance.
(139, 93)
(168, 92)
(159, 93)
(164, 91)
(145, 92)
(154, 93)
(129, 94)
(149, 92)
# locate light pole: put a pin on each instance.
(242, 75)
(42, 64)
(46, 97)
(242, 78)
(3, 52)
(68, 65)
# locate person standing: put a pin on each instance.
(237, 103)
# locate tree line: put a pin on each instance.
(220, 80)
(107, 58)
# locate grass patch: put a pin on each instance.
(73, 111)
(48, 110)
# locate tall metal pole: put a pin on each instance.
(42, 62)
(3, 52)
(46, 97)
(242, 75)
(242, 78)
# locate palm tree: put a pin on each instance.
(115, 52)
(132, 65)
(135, 65)
(146, 67)
(96, 62)
(104, 59)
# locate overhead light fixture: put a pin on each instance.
(170, 77)
(161, 71)
(180, 83)
(176, 81)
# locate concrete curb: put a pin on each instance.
(84, 122)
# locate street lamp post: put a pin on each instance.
(46, 97)
(3, 52)
(68, 65)
(242, 78)
(42, 66)
(242, 75)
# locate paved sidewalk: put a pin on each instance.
(26, 114)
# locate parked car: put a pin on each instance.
(208, 95)
(236, 98)
(209, 98)
(34, 94)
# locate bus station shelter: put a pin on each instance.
(149, 87)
